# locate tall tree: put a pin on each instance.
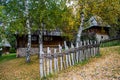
(29, 31)
(108, 10)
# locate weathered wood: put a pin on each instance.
(85, 50)
(44, 66)
(98, 48)
(72, 54)
(94, 49)
(80, 52)
(61, 58)
(51, 70)
(91, 49)
(88, 49)
(66, 48)
(48, 62)
(55, 61)
(77, 53)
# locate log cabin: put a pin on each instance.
(51, 38)
(5, 46)
(97, 29)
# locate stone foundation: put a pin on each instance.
(21, 52)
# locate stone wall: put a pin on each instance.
(21, 52)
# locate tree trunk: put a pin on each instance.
(29, 33)
(80, 29)
(41, 52)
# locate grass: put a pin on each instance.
(12, 68)
(95, 68)
(7, 57)
(111, 43)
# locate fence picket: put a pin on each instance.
(91, 50)
(80, 52)
(66, 48)
(84, 51)
(77, 53)
(48, 62)
(72, 54)
(61, 58)
(88, 50)
(94, 48)
(68, 57)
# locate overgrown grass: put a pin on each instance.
(111, 43)
(7, 57)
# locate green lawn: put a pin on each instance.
(7, 57)
(111, 43)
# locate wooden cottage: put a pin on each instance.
(5, 46)
(97, 28)
(51, 38)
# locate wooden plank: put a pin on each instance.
(66, 48)
(72, 55)
(61, 58)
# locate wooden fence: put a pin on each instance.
(60, 59)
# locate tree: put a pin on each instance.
(36, 14)
(108, 10)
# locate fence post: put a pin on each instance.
(98, 50)
(72, 54)
(55, 61)
(55, 67)
(95, 48)
(61, 58)
(88, 52)
(84, 50)
(48, 61)
(66, 48)
(91, 50)
(41, 63)
(51, 71)
(81, 52)
(77, 52)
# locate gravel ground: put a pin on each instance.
(107, 67)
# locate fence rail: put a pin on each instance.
(60, 59)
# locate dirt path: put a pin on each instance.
(106, 67)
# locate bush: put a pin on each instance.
(12, 50)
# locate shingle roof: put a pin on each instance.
(95, 21)
(5, 43)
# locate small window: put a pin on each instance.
(101, 37)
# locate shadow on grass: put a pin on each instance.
(7, 57)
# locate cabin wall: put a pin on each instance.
(6, 50)
(48, 41)
(101, 33)
(100, 37)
